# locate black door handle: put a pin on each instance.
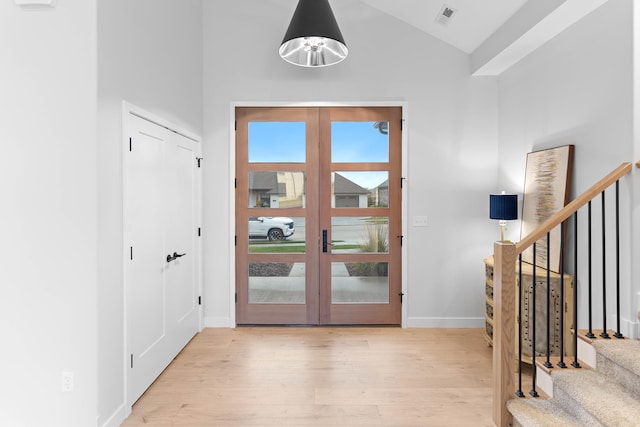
(324, 240)
(174, 257)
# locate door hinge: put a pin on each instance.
(235, 183)
(401, 125)
(200, 300)
(235, 238)
(199, 232)
(235, 125)
(131, 361)
(199, 159)
(401, 239)
(236, 297)
(402, 181)
(130, 144)
(131, 252)
(401, 296)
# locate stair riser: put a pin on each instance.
(622, 375)
(574, 408)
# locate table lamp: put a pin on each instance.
(503, 207)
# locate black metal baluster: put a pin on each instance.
(561, 364)
(604, 333)
(590, 332)
(618, 334)
(519, 392)
(532, 308)
(547, 363)
(575, 362)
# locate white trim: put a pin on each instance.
(117, 418)
(219, 322)
(544, 382)
(628, 328)
(232, 216)
(634, 330)
(587, 354)
(129, 108)
(232, 169)
(446, 322)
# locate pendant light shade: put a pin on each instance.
(313, 38)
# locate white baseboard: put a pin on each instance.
(218, 322)
(445, 322)
(412, 322)
(631, 329)
(116, 419)
(634, 331)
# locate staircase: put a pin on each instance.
(604, 388)
(606, 394)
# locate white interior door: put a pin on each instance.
(180, 201)
(161, 252)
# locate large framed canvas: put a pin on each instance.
(547, 185)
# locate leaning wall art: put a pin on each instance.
(547, 185)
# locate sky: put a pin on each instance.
(350, 142)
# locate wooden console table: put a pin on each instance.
(541, 307)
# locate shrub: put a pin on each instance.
(376, 240)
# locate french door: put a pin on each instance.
(318, 215)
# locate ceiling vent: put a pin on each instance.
(445, 15)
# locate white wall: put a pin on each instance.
(48, 214)
(149, 54)
(576, 89)
(452, 138)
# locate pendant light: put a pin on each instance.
(313, 38)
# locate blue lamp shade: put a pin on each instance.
(503, 206)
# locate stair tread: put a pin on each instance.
(604, 399)
(541, 413)
(622, 352)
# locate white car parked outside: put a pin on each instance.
(272, 228)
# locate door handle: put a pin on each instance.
(174, 257)
(324, 241)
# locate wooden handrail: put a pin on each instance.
(504, 295)
(572, 207)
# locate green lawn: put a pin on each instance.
(290, 247)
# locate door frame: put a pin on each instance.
(127, 110)
(232, 197)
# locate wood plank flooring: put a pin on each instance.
(320, 376)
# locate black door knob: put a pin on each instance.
(174, 257)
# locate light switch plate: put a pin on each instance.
(35, 3)
(420, 221)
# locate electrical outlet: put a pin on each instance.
(420, 221)
(67, 381)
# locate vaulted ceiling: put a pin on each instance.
(496, 33)
(471, 23)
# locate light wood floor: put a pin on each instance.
(324, 377)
